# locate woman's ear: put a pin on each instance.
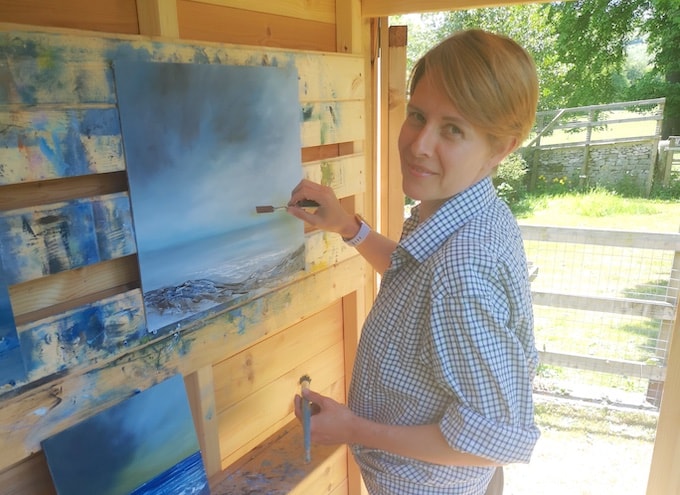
(503, 146)
(500, 148)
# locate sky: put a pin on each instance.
(205, 144)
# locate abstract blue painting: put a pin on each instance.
(146, 444)
(204, 144)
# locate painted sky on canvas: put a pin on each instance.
(205, 144)
(120, 448)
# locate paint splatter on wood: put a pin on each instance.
(103, 329)
(45, 240)
(42, 144)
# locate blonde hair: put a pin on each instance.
(490, 79)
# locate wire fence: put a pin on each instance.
(604, 305)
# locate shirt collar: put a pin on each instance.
(421, 240)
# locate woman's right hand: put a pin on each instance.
(329, 215)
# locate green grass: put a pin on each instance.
(600, 209)
(598, 271)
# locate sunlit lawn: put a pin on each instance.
(594, 448)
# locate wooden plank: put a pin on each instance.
(200, 21)
(614, 366)
(324, 249)
(348, 26)
(659, 310)
(158, 18)
(328, 478)
(318, 10)
(77, 338)
(50, 239)
(259, 437)
(23, 195)
(663, 474)
(43, 144)
(31, 476)
(394, 84)
(243, 421)
(115, 16)
(345, 174)
(201, 393)
(332, 122)
(384, 8)
(257, 366)
(35, 73)
(619, 238)
(278, 468)
(330, 77)
(28, 416)
(33, 298)
(76, 69)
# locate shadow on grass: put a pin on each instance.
(596, 419)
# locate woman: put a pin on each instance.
(441, 392)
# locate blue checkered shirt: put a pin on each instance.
(450, 341)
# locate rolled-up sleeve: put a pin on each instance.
(475, 340)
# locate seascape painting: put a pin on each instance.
(204, 145)
(145, 445)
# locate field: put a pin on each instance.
(592, 447)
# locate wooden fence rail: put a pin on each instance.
(574, 134)
(664, 311)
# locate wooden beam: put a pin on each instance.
(660, 310)
(383, 8)
(394, 110)
(158, 18)
(348, 26)
(614, 366)
(619, 238)
(201, 392)
(664, 474)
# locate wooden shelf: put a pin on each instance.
(277, 467)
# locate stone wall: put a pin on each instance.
(611, 164)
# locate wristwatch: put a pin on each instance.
(364, 230)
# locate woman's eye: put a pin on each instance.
(452, 130)
(416, 117)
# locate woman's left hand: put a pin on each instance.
(331, 422)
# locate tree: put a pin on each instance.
(663, 29)
(592, 38)
(527, 24)
(580, 48)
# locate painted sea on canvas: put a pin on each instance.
(231, 266)
(146, 444)
(187, 477)
(204, 144)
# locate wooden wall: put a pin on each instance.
(241, 365)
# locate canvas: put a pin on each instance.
(146, 444)
(204, 144)
(11, 363)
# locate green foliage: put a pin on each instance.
(527, 24)
(509, 179)
(586, 51)
(669, 192)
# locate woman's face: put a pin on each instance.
(441, 153)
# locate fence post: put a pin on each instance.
(535, 155)
(673, 146)
(583, 178)
(663, 339)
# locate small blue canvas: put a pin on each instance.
(145, 445)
